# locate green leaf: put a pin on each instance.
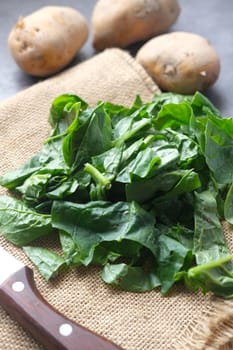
(173, 116)
(130, 124)
(15, 178)
(130, 278)
(171, 211)
(57, 110)
(188, 182)
(110, 251)
(48, 263)
(48, 160)
(209, 241)
(34, 187)
(228, 205)
(215, 276)
(70, 144)
(187, 147)
(202, 106)
(94, 139)
(149, 162)
(167, 183)
(69, 248)
(95, 222)
(108, 162)
(64, 189)
(20, 224)
(169, 97)
(219, 149)
(172, 255)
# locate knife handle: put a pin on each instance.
(21, 299)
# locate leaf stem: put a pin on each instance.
(131, 133)
(97, 175)
(55, 137)
(211, 265)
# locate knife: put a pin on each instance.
(21, 300)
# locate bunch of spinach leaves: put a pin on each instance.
(140, 191)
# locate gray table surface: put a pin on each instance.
(210, 18)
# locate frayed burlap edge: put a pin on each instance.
(214, 330)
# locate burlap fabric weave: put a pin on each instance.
(181, 320)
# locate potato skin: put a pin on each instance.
(47, 40)
(180, 62)
(120, 23)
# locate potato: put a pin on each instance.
(180, 62)
(120, 23)
(47, 40)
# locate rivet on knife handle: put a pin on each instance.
(20, 298)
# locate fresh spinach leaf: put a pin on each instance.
(21, 224)
(228, 205)
(172, 115)
(215, 276)
(214, 271)
(99, 221)
(132, 278)
(140, 191)
(219, 149)
(58, 108)
(48, 263)
(95, 139)
(209, 241)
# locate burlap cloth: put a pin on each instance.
(181, 320)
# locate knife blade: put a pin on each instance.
(21, 300)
